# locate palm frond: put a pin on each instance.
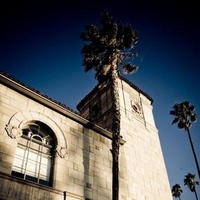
(130, 37)
(108, 44)
(176, 119)
(129, 68)
(184, 114)
(91, 33)
(193, 117)
(190, 181)
(176, 190)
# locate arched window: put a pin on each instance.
(35, 154)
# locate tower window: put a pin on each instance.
(34, 156)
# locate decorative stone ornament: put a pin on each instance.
(62, 151)
(13, 131)
(95, 112)
(136, 107)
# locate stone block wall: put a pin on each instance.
(83, 161)
(82, 166)
(143, 174)
(142, 166)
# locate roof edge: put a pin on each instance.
(8, 80)
(122, 78)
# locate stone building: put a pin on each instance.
(50, 152)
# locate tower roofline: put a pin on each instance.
(79, 105)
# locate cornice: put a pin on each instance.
(9, 81)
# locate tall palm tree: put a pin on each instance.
(176, 191)
(106, 49)
(191, 183)
(184, 117)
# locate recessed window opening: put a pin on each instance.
(34, 154)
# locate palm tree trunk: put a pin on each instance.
(195, 157)
(195, 192)
(116, 134)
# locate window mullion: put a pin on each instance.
(24, 157)
(27, 157)
(40, 162)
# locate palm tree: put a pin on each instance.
(184, 117)
(176, 191)
(106, 49)
(191, 183)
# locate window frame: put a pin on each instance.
(37, 145)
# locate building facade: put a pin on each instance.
(50, 152)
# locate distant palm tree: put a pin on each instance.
(176, 191)
(185, 116)
(191, 183)
(106, 50)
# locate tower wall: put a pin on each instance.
(98, 107)
(142, 171)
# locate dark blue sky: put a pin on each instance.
(40, 46)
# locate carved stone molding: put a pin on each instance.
(13, 131)
(136, 107)
(61, 151)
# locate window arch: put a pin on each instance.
(34, 155)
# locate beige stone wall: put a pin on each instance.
(143, 174)
(84, 172)
(102, 98)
